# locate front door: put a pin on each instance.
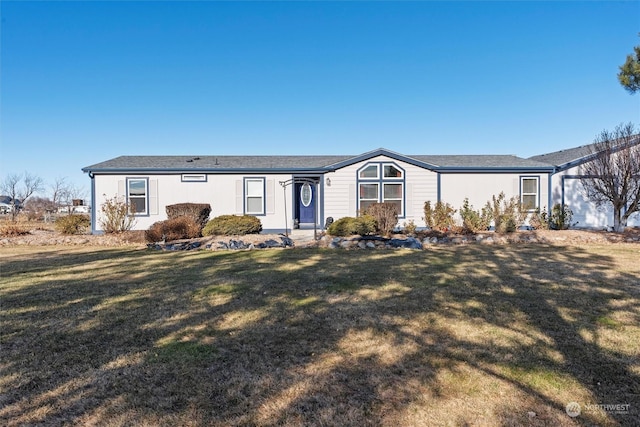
(306, 195)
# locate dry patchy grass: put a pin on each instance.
(457, 335)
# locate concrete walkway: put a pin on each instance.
(302, 237)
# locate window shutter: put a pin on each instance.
(121, 189)
(153, 197)
(408, 203)
(239, 197)
(271, 196)
(353, 206)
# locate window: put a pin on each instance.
(393, 194)
(529, 193)
(370, 171)
(390, 171)
(194, 177)
(254, 196)
(368, 195)
(374, 187)
(137, 195)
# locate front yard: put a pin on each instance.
(452, 335)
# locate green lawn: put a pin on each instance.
(457, 335)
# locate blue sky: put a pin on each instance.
(83, 82)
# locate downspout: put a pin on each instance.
(93, 203)
(550, 188)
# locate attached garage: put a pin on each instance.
(567, 189)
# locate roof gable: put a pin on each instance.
(381, 152)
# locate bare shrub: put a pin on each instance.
(386, 216)
(12, 229)
(117, 215)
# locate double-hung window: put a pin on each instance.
(137, 192)
(254, 190)
(381, 183)
(529, 193)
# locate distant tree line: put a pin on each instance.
(21, 191)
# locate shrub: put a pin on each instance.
(539, 220)
(117, 215)
(182, 227)
(440, 217)
(560, 218)
(410, 228)
(232, 224)
(349, 226)
(506, 213)
(12, 229)
(72, 224)
(386, 216)
(473, 220)
(199, 212)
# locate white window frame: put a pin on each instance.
(257, 195)
(367, 166)
(381, 181)
(144, 197)
(394, 199)
(536, 193)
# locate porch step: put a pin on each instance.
(301, 235)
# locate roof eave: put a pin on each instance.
(494, 169)
(217, 171)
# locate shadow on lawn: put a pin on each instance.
(309, 337)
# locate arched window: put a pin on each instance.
(381, 182)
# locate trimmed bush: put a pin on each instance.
(72, 224)
(182, 227)
(198, 212)
(232, 225)
(386, 216)
(349, 226)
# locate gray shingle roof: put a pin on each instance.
(573, 155)
(562, 157)
(300, 163)
(215, 162)
(480, 161)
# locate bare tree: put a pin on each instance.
(60, 190)
(63, 192)
(20, 187)
(613, 176)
